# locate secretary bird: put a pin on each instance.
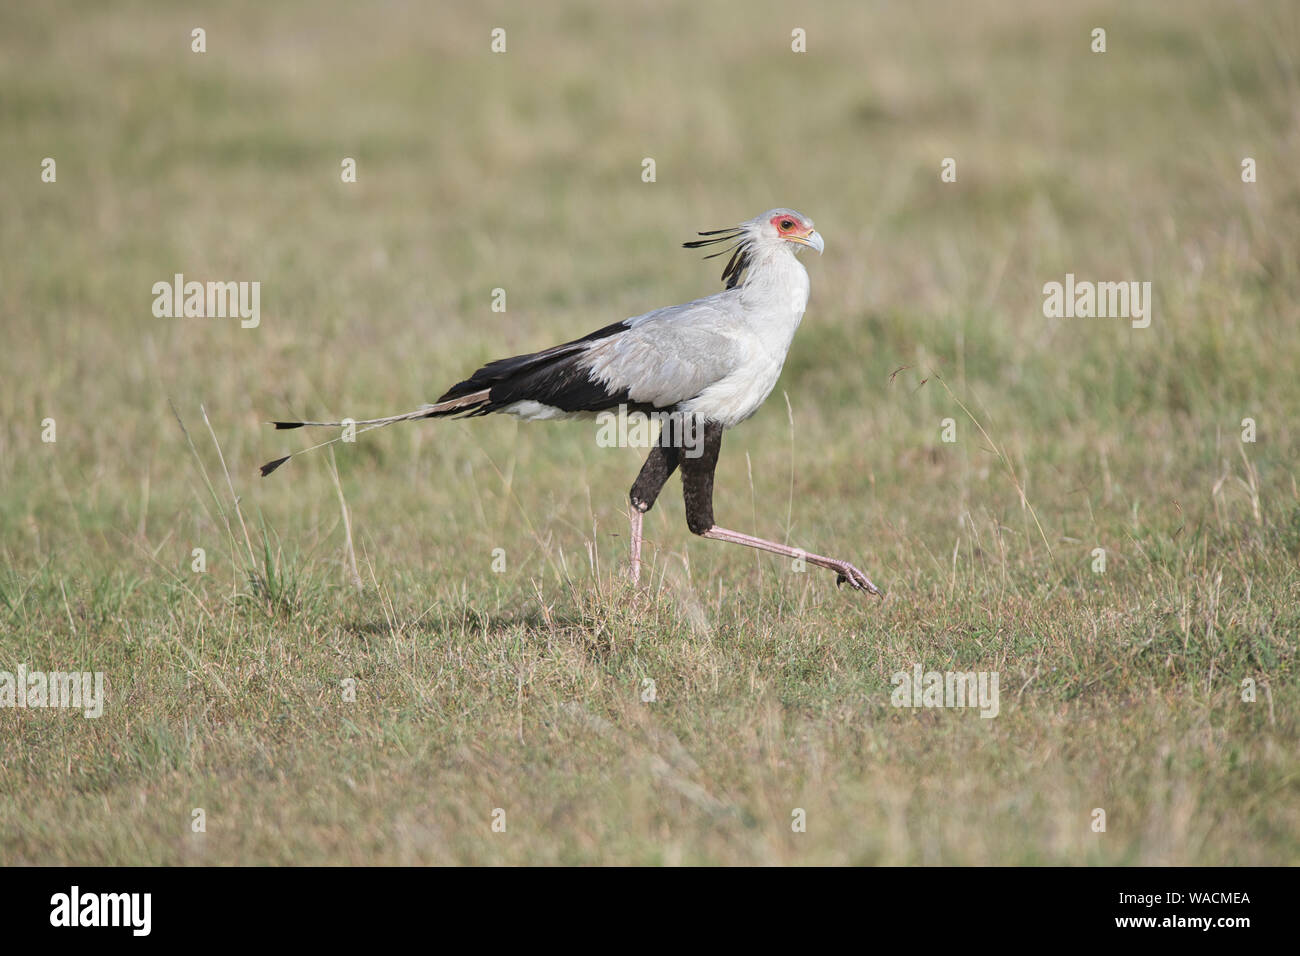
(706, 365)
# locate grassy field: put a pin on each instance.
(231, 690)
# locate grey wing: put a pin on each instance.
(671, 355)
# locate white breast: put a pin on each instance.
(773, 304)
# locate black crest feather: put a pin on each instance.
(740, 252)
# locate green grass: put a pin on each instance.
(522, 690)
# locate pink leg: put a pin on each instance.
(659, 464)
(846, 571)
(635, 519)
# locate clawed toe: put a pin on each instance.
(856, 580)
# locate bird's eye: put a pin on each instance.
(787, 224)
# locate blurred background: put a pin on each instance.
(522, 170)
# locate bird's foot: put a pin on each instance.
(855, 578)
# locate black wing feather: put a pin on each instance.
(554, 377)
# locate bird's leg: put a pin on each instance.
(658, 467)
(635, 518)
(844, 570)
(697, 487)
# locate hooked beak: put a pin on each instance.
(813, 239)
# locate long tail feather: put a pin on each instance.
(404, 417)
(455, 406)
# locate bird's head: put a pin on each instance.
(769, 232)
(785, 226)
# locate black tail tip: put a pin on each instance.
(270, 466)
(281, 425)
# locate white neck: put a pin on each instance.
(776, 283)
